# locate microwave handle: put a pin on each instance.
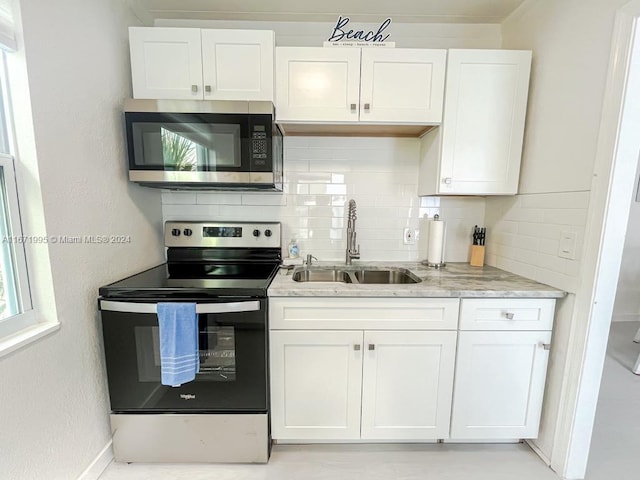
(135, 307)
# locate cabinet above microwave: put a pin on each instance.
(201, 64)
(203, 145)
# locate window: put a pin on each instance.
(15, 298)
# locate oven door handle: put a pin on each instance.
(135, 307)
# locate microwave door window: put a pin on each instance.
(188, 146)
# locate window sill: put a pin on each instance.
(26, 336)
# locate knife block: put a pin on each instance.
(477, 256)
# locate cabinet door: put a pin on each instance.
(499, 384)
(483, 121)
(402, 85)
(166, 63)
(237, 64)
(317, 84)
(407, 384)
(316, 378)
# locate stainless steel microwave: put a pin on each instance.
(188, 144)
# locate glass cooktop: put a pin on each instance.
(195, 281)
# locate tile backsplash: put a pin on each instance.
(321, 175)
(526, 234)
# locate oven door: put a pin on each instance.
(233, 359)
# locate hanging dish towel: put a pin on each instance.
(179, 360)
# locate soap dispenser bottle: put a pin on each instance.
(293, 248)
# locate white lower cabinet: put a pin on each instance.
(315, 384)
(501, 367)
(407, 384)
(350, 385)
(359, 369)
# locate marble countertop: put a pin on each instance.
(454, 280)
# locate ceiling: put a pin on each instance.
(400, 11)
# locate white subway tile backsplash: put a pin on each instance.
(321, 174)
(526, 235)
(564, 216)
(178, 198)
(209, 198)
(264, 199)
(190, 212)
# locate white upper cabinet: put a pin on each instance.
(353, 85)
(478, 148)
(166, 62)
(402, 85)
(237, 64)
(190, 63)
(317, 84)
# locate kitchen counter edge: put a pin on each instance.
(456, 280)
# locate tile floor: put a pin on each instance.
(615, 453)
(615, 445)
(368, 462)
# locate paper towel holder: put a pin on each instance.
(426, 262)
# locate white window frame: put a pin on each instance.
(14, 323)
(33, 323)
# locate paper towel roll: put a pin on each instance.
(435, 249)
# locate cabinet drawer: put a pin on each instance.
(507, 313)
(310, 313)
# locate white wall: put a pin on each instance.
(54, 414)
(405, 35)
(321, 175)
(627, 304)
(571, 42)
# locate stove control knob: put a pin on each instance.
(267, 233)
(256, 233)
(187, 232)
(175, 232)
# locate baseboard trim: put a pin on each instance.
(99, 464)
(538, 452)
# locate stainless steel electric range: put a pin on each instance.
(221, 416)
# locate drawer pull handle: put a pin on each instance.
(372, 346)
(353, 107)
(356, 347)
(509, 315)
(194, 88)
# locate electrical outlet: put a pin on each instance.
(409, 237)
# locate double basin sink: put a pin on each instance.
(357, 275)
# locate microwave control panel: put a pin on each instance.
(259, 146)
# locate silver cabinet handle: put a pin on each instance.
(353, 107)
(367, 107)
(446, 180)
(546, 346)
(372, 346)
(508, 315)
(356, 347)
(194, 88)
(207, 88)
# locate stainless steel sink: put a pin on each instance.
(394, 276)
(321, 275)
(355, 275)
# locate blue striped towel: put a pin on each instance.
(179, 359)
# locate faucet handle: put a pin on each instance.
(310, 259)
